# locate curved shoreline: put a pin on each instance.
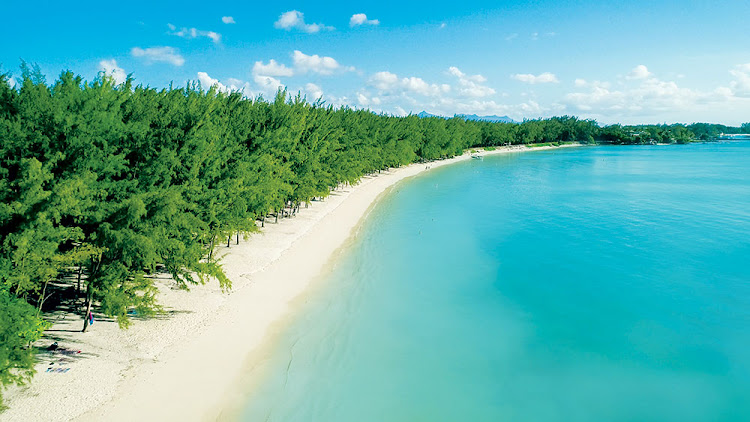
(188, 366)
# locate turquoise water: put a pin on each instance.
(587, 284)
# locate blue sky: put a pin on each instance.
(630, 62)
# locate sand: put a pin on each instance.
(193, 362)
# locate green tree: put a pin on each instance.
(19, 327)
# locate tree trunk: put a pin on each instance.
(277, 217)
(88, 309)
(211, 247)
(41, 299)
(78, 289)
(229, 239)
(238, 237)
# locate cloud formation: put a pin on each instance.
(314, 92)
(471, 85)
(295, 19)
(227, 19)
(361, 19)
(232, 85)
(645, 95)
(268, 86)
(164, 54)
(740, 86)
(110, 68)
(208, 82)
(390, 83)
(317, 64)
(639, 72)
(542, 78)
(364, 99)
(272, 69)
(191, 33)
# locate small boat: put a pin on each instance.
(476, 157)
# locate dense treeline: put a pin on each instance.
(104, 185)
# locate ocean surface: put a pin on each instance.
(580, 284)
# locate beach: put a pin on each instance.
(191, 363)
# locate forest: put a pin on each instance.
(104, 185)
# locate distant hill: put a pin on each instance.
(503, 119)
(423, 114)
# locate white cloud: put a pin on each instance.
(650, 97)
(110, 68)
(272, 69)
(159, 54)
(314, 92)
(366, 100)
(315, 63)
(301, 64)
(542, 78)
(207, 82)
(191, 33)
(361, 19)
(295, 19)
(419, 86)
(227, 19)
(511, 37)
(471, 85)
(232, 85)
(461, 75)
(639, 72)
(268, 85)
(534, 36)
(384, 81)
(12, 82)
(235, 82)
(740, 86)
(390, 83)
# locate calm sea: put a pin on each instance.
(582, 284)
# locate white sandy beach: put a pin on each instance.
(190, 364)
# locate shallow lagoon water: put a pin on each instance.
(587, 284)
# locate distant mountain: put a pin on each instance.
(496, 119)
(503, 119)
(424, 114)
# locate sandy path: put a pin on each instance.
(188, 364)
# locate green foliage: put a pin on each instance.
(19, 327)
